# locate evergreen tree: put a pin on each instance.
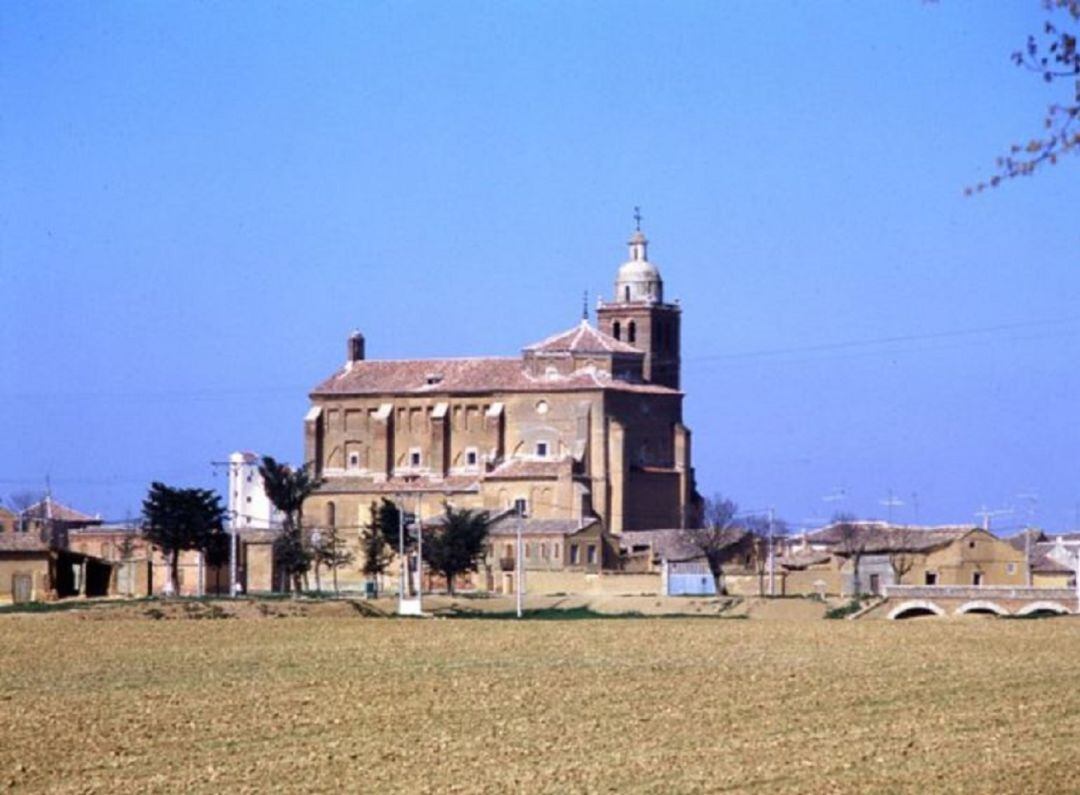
(179, 519)
(287, 489)
(457, 545)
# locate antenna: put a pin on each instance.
(987, 515)
(890, 503)
(585, 306)
(637, 218)
(838, 494)
(1031, 497)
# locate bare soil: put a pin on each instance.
(337, 701)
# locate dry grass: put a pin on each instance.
(649, 705)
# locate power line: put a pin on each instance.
(870, 341)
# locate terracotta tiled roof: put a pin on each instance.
(507, 525)
(801, 560)
(522, 468)
(674, 544)
(1042, 563)
(582, 338)
(465, 376)
(1019, 542)
(458, 483)
(882, 537)
(49, 508)
(22, 542)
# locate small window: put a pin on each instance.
(573, 554)
(354, 460)
(977, 578)
(971, 545)
(541, 449)
(590, 554)
(543, 551)
(521, 506)
(631, 332)
(471, 457)
(931, 578)
(616, 330)
(414, 457)
(1010, 568)
(626, 292)
(508, 552)
(528, 551)
(555, 553)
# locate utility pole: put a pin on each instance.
(772, 555)
(1032, 500)
(519, 554)
(401, 551)
(419, 554)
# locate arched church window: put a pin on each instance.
(631, 332)
(331, 514)
(626, 292)
(616, 330)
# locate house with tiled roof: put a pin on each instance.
(36, 562)
(584, 426)
(846, 557)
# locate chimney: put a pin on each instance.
(356, 347)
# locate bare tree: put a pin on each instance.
(851, 543)
(902, 555)
(1053, 56)
(716, 535)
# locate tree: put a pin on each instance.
(329, 549)
(851, 543)
(902, 557)
(287, 488)
(178, 519)
(717, 532)
(457, 545)
(1053, 56)
(377, 551)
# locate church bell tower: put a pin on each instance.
(639, 316)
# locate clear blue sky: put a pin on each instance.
(200, 200)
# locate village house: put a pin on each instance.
(684, 568)
(845, 558)
(35, 561)
(583, 430)
(1052, 558)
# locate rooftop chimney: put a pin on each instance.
(356, 347)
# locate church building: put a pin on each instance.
(583, 429)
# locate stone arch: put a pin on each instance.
(981, 606)
(1043, 607)
(915, 607)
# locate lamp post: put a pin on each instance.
(419, 554)
(519, 554)
(401, 552)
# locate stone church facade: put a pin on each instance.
(584, 428)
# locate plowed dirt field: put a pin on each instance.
(353, 704)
